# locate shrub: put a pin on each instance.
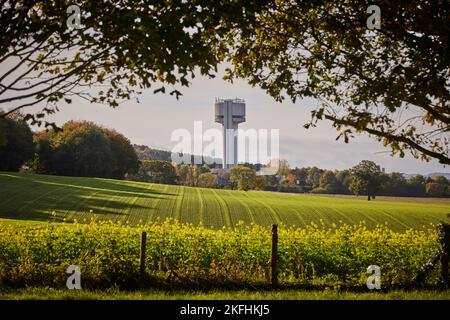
(16, 143)
(108, 254)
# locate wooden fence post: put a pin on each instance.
(142, 254)
(274, 256)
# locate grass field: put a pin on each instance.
(113, 294)
(30, 197)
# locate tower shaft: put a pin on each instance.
(230, 112)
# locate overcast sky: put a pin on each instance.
(152, 121)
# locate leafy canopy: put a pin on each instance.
(392, 83)
(119, 49)
(366, 178)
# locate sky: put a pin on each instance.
(152, 121)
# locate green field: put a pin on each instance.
(36, 198)
(112, 294)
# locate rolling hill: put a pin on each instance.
(31, 197)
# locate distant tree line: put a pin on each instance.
(81, 149)
(364, 179)
(146, 153)
(88, 150)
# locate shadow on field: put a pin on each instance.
(123, 185)
(106, 185)
(34, 197)
(78, 203)
(110, 189)
(31, 216)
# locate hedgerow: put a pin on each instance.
(182, 254)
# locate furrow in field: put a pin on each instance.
(392, 217)
(14, 205)
(275, 215)
(62, 205)
(300, 218)
(348, 216)
(358, 215)
(60, 201)
(288, 214)
(262, 214)
(416, 218)
(213, 210)
(123, 213)
(45, 197)
(22, 210)
(102, 209)
(165, 205)
(190, 207)
(224, 209)
(201, 205)
(179, 202)
(11, 190)
(311, 214)
(73, 206)
(106, 203)
(174, 202)
(145, 204)
(134, 219)
(238, 211)
(244, 204)
(154, 214)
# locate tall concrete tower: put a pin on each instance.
(230, 112)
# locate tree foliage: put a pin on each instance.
(243, 177)
(366, 179)
(156, 171)
(328, 182)
(43, 156)
(313, 177)
(394, 183)
(436, 189)
(125, 157)
(207, 180)
(84, 149)
(391, 83)
(117, 50)
(188, 174)
(441, 180)
(16, 143)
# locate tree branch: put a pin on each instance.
(441, 157)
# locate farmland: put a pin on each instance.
(204, 238)
(34, 198)
(153, 294)
(186, 256)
